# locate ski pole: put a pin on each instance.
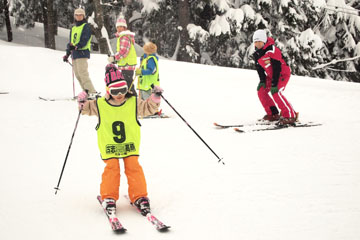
(220, 159)
(67, 154)
(132, 83)
(72, 68)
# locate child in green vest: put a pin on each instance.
(149, 71)
(118, 131)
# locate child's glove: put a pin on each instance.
(117, 56)
(261, 84)
(111, 59)
(73, 47)
(274, 90)
(82, 98)
(157, 90)
(138, 72)
(156, 93)
(65, 58)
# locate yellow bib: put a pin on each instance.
(118, 129)
(76, 32)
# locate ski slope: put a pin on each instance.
(296, 184)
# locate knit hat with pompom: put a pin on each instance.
(150, 48)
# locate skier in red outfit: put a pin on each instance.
(274, 75)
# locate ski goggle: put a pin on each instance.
(118, 90)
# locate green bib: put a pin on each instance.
(147, 80)
(76, 35)
(131, 58)
(118, 129)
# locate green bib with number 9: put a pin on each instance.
(118, 129)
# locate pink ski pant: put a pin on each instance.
(285, 107)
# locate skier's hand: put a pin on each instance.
(274, 90)
(65, 58)
(111, 59)
(261, 84)
(72, 47)
(157, 90)
(117, 56)
(138, 72)
(82, 98)
(156, 94)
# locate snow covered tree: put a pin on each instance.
(186, 52)
(341, 33)
(65, 9)
(26, 12)
(98, 28)
(159, 25)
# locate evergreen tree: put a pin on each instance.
(26, 12)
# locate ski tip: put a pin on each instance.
(99, 199)
(164, 228)
(239, 130)
(120, 231)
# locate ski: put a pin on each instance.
(113, 220)
(4, 92)
(160, 226)
(57, 99)
(277, 127)
(156, 116)
(159, 114)
(220, 126)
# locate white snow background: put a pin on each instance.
(291, 184)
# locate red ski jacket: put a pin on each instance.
(270, 64)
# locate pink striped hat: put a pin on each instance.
(121, 22)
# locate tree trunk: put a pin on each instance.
(45, 22)
(7, 21)
(184, 19)
(99, 20)
(51, 24)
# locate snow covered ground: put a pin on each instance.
(300, 183)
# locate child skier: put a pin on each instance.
(125, 55)
(149, 70)
(118, 133)
(274, 75)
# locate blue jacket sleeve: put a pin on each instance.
(68, 52)
(151, 67)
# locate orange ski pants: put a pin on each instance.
(109, 187)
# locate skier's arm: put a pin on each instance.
(276, 67)
(90, 108)
(261, 73)
(124, 49)
(147, 107)
(151, 67)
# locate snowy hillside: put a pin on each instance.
(296, 184)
